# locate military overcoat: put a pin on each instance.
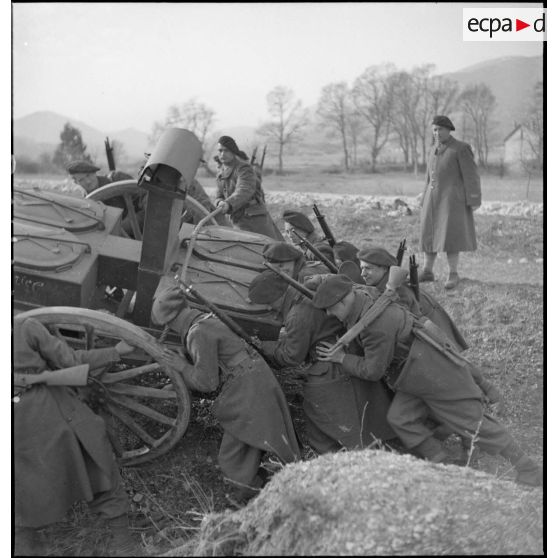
(61, 450)
(452, 189)
(238, 185)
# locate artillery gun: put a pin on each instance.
(70, 253)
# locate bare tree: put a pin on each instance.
(334, 108)
(192, 115)
(477, 103)
(534, 122)
(289, 119)
(373, 98)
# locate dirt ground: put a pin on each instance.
(499, 307)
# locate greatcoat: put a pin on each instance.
(251, 406)
(62, 453)
(238, 185)
(452, 189)
(427, 383)
(340, 411)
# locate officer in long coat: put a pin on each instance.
(239, 191)
(250, 407)
(427, 380)
(451, 194)
(339, 411)
(61, 450)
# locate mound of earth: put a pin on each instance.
(375, 502)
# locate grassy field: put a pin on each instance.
(499, 307)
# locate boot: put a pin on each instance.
(425, 276)
(121, 542)
(528, 472)
(452, 282)
(432, 450)
(27, 542)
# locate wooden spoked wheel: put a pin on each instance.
(144, 402)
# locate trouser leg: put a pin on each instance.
(113, 502)
(239, 463)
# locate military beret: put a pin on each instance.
(81, 166)
(332, 290)
(345, 251)
(281, 252)
(440, 120)
(326, 250)
(167, 305)
(228, 143)
(267, 287)
(376, 255)
(298, 220)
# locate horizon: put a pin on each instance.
(68, 57)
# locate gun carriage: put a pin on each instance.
(76, 271)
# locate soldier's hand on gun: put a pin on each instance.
(223, 206)
(323, 352)
(122, 348)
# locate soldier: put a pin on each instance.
(239, 191)
(250, 407)
(428, 378)
(85, 175)
(61, 450)
(291, 260)
(339, 411)
(452, 193)
(345, 252)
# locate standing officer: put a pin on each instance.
(451, 195)
(240, 191)
(62, 453)
(251, 406)
(339, 411)
(428, 381)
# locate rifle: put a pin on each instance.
(396, 278)
(72, 376)
(110, 155)
(413, 276)
(229, 322)
(401, 251)
(254, 153)
(293, 282)
(263, 157)
(309, 246)
(325, 227)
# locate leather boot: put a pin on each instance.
(432, 450)
(27, 542)
(121, 542)
(528, 472)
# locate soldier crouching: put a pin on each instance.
(251, 407)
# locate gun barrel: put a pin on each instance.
(308, 245)
(401, 251)
(293, 282)
(324, 226)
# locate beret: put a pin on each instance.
(281, 252)
(345, 251)
(228, 143)
(332, 290)
(440, 120)
(376, 255)
(326, 250)
(298, 220)
(167, 305)
(267, 287)
(81, 166)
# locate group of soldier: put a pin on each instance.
(382, 364)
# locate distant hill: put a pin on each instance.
(511, 80)
(40, 132)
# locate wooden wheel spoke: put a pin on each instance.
(132, 216)
(143, 410)
(114, 377)
(129, 422)
(141, 391)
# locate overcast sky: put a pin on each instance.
(116, 66)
